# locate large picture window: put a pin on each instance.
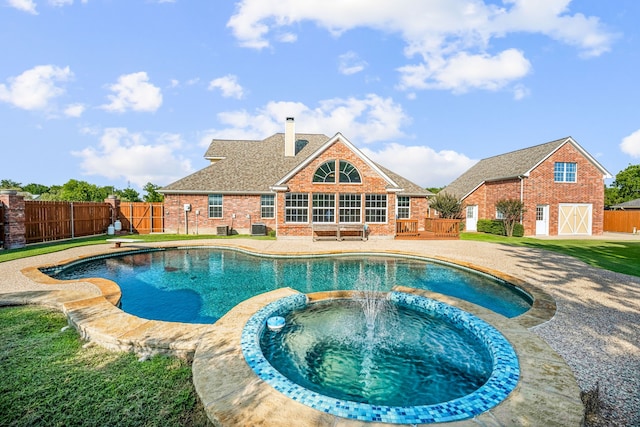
(375, 208)
(215, 205)
(564, 172)
(404, 207)
(267, 206)
(324, 207)
(350, 208)
(296, 207)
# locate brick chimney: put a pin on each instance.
(289, 138)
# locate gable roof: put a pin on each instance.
(253, 167)
(512, 165)
(338, 137)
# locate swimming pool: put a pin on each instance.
(200, 285)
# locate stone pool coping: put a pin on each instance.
(92, 311)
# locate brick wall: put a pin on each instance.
(371, 183)
(541, 189)
(232, 205)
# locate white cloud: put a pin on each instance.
(446, 35)
(74, 110)
(129, 156)
(361, 120)
(60, 3)
(134, 92)
(421, 164)
(35, 88)
(350, 63)
(287, 38)
(520, 92)
(552, 18)
(631, 144)
(228, 85)
(463, 72)
(28, 6)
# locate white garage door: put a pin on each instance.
(574, 218)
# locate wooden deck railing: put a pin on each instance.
(407, 227)
(449, 228)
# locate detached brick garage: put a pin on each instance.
(560, 183)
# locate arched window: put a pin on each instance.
(326, 172)
(348, 172)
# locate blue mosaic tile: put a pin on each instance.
(504, 378)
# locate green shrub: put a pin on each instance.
(496, 226)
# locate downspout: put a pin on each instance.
(275, 206)
(521, 194)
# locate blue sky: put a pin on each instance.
(128, 92)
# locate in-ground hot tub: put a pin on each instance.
(407, 359)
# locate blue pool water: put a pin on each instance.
(200, 285)
(405, 357)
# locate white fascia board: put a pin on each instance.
(324, 147)
(206, 192)
(279, 188)
(471, 192)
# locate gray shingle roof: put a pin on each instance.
(505, 166)
(408, 188)
(251, 167)
(630, 204)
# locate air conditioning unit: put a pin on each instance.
(222, 230)
(258, 230)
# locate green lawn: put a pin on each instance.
(622, 256)
(49, 379)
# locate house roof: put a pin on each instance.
(511, 165)
(630, 204)
(253, 167)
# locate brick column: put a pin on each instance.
(14, 228)
(115, 207)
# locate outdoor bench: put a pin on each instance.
(325, 232)
(352, 232)
(339, 232)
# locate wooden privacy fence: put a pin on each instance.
(622, 221)
(141, 217)
(46, 221)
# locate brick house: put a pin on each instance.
(560, 183)
(292, 183)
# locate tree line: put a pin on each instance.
(625, 187)
(82, 191)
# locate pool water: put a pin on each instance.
(403, 358)
(200, 285)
